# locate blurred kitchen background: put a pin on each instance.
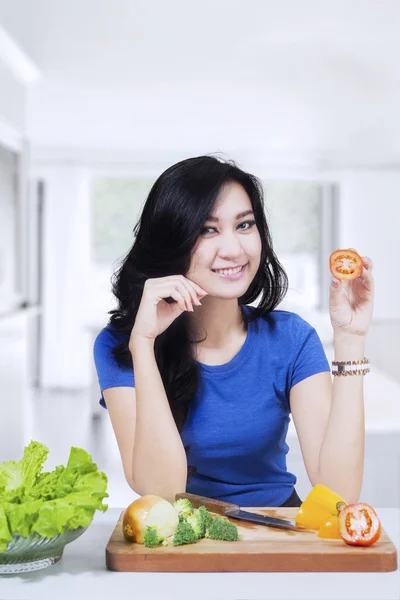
(97, 98)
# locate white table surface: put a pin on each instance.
(82, 573)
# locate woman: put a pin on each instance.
(198, 384)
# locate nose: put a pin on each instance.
(230, 246)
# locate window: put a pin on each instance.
(116, 205)
(296, 213)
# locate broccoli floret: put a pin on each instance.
(151, 537)
(197, 523)
(182, 518)
(222, 529)
(184, 534)
(205, 515)
(183, 506)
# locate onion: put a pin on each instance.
(145, 511)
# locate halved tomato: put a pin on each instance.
(345, 264)
(359, 525)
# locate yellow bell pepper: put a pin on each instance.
(320, 504)
(330, 529)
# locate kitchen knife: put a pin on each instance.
(233, 511)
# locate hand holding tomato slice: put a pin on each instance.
(351, 292)
(359, 525)
(345, 264)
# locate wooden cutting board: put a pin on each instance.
(259, 548)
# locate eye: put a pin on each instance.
(205, 229)
(249, 223)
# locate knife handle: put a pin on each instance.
(216, 506)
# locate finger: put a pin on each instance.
(176, 290)
(176, 295)
(199, 289)
(367, 262)
(336, 283)
(340, 283)
(194, 294)
(195, 290)
(184, 290)
(367, 279)
(164, 287)
(338, 286)
(347, 283)
(337, 294)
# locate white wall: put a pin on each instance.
(66, 350)
(14, 400)
(12, 100)
(14, 367)
(369, 221)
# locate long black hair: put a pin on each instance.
(165, 235)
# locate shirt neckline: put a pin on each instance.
(239, 357)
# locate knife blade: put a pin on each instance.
(234, 511)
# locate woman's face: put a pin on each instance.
(227, 240)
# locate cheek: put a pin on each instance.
(254, 246)
(195, 262)
(199, 256)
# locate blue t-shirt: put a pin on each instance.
(235, 431)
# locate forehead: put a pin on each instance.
(232, 200)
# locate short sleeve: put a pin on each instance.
(309, 355)
(109, 372)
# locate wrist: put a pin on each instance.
(138, 342)
(348, 346)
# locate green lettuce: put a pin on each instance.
(49, 503)
(5, 533)
(21, 517)
(17, 478)
(46, 484)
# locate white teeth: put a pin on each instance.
(228, 271)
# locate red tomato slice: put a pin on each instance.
(345, 264)
(359, 525)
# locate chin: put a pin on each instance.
(228, 296)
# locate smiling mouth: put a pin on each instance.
(230, 273)
(240, 267)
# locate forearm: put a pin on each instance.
(159, 459)
(341, 460)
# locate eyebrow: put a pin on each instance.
(239, 216)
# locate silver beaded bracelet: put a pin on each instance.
(342, 368)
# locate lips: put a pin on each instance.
(232, 276)
(228, 268)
